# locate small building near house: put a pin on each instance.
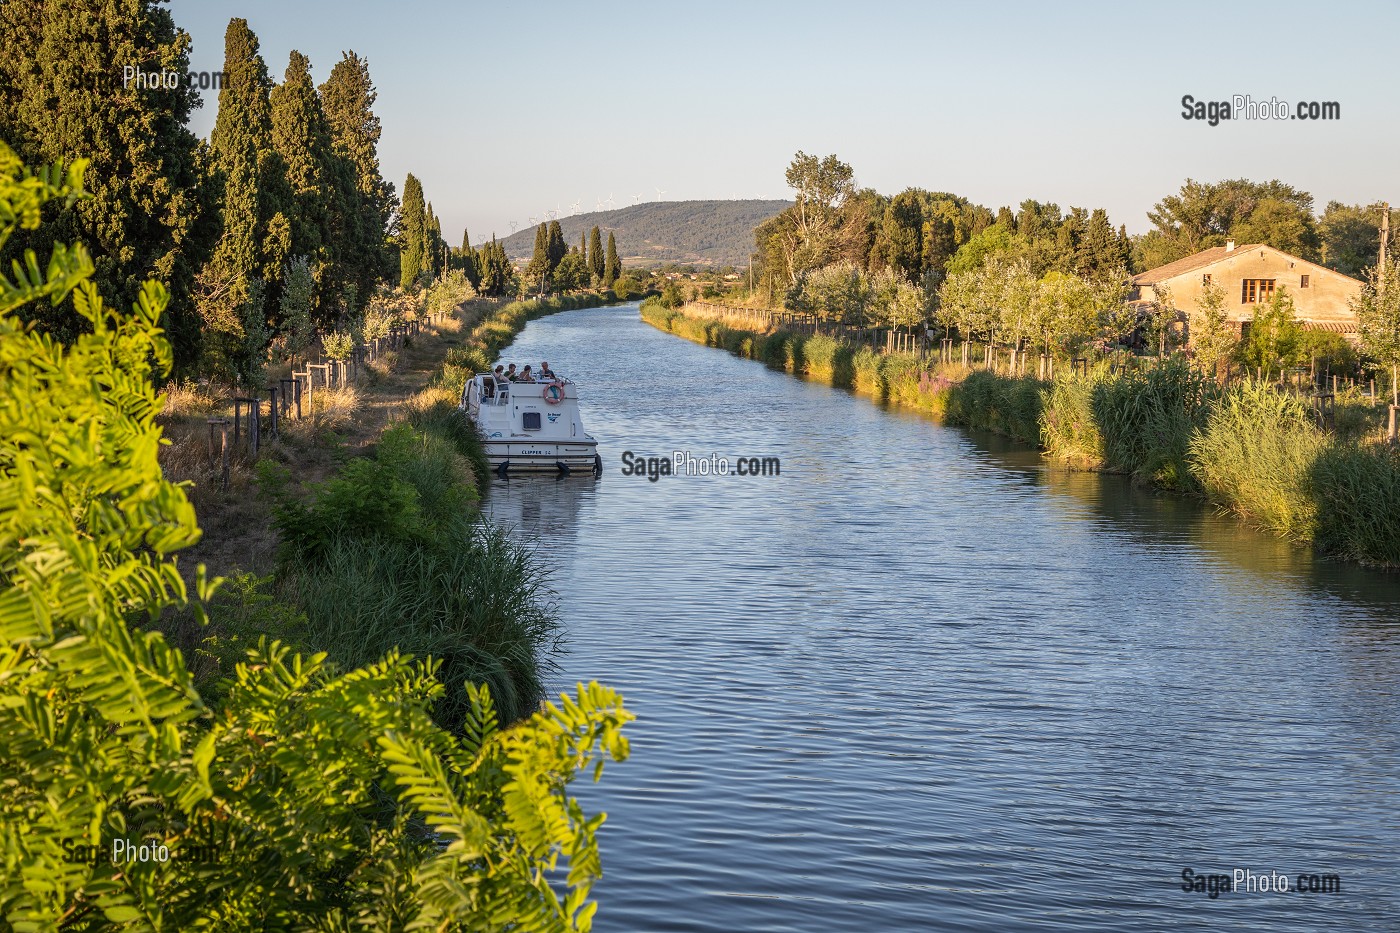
(1249, 276)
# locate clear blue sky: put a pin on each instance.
(507, 109)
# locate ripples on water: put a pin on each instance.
(922, 682)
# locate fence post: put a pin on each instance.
(254, 425)
(286, 385)
(1392, 433)
(272, 410)
(223, 430)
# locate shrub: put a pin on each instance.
(338, 345)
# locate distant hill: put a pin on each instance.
(711, 233)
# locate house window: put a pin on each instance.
(1304, 283)
(1205, 279)
(1253, 291)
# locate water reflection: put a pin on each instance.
(922, 681)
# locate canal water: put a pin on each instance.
(922, 680)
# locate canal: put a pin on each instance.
(922, 680)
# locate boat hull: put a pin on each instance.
(536, 456)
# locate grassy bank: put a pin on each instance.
(1248, 448)
(384, 550)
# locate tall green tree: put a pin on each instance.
(348, 97)
(556, 246)
(413, 233)
(255, 201)
(471, 263)
(322, 194)
(495, 269)
(537, 272)
(1202, 215)
(612, 265)
(433, 242)
(1351, 235)
(595, 253)
(64, 93)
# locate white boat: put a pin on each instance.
(531, 426)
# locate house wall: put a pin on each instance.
(1325, 298)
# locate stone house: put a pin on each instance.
(1249, 276)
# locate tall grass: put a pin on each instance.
(1357, 489)
(1256, 455)
(1146, 419)
(468, 599)
(1010, 405)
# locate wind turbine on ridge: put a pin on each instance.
(660, 194)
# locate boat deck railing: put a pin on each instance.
(501, 393)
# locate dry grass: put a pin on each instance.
(193, 399)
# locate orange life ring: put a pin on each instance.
(553, 393)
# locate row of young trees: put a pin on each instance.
(1037, 277)
(557, 267)
(280, 224)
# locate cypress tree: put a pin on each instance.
(583, 247)
(256, 238)
(413, 226)
(613, 266)
(471, 266)
(556, 246)
(595, 253)
(64, 95)
(348, 98)
(537, 272)
(433, 243)
(316, 186)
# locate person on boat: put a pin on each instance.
(493, 379)
(545, 371)
(525, 374)
(511, 374)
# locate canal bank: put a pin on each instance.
(921, 681)
(1247, 448)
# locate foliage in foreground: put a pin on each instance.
(314, 798)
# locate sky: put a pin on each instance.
(505, 110)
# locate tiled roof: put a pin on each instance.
(1205, 257)
(1336, 327)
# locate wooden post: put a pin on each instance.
(272, 410)
(287, 391)
(223, 430)
(296, 390)
(254, 425)
(237, 420)
(1392, 433)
